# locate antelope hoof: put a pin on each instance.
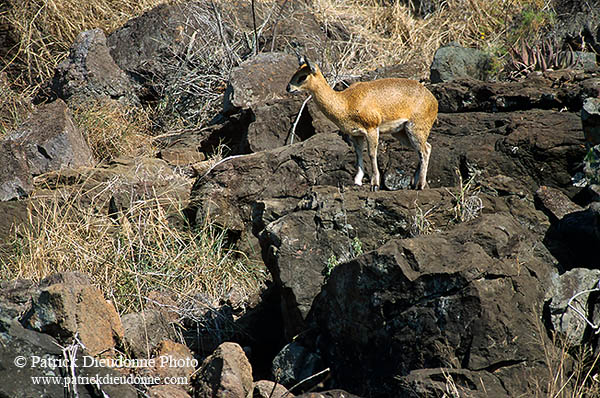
(374, 188)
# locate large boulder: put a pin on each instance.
(453, 61)
(259, 80)
(18, 343)
(328, 225)
(50, 140)
(65, 310)
(573, 287)
(228, 194)
(89, 73)
(224, 374)
(466, 298)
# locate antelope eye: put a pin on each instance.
(301, 78)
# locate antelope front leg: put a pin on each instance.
(372, 143)
(359, 144)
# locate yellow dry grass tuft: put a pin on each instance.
(128, 254)
(43, 30)
(384, 33)
(114, 129)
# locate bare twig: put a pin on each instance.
(276, 23)
(305, 380)
(582, 315)
(255, 31)
(293, 132)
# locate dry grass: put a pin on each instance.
(130, 253)
(572, 373)
(385, 33)
(43, 30)
(113, 129)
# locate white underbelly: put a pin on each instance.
(392, 126)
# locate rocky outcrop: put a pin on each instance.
(229, 192)
(549, 90)
(457, 298)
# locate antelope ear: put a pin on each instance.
(311, 65)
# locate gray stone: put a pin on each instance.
(590, 120)
(90, 73)
(259, 80)
(224, 374)
(295, 363)
(15, 178)
(51, 141)
(16, 341)
(269, 389)
(453, 61)
(564, 319)
(143, 332)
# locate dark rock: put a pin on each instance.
(330, 223)
(15, 179)
(462, 382)
(143, 332)
(564, 320)
(555, 202)
(65, 310)
(229, 192)
(573, 239)
(269, 389)
(258, 80)
(226, 373)
(544, 91)
(430, 302)
(15, 297)
(51, 141)
(328, 394)
(167, 391)
(273, 124)
(423, 8)
(590, 120)
(295, 363)
(452, 61)
(90, 73)
(146, 46)
(16, 341)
